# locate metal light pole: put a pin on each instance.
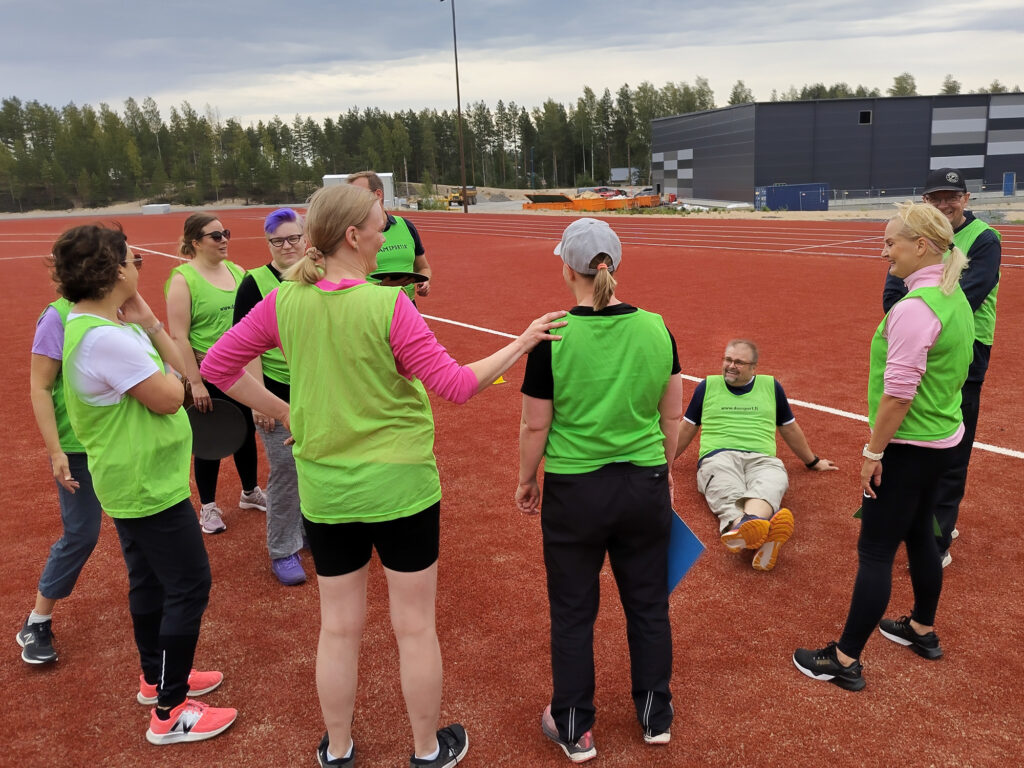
(458, 110)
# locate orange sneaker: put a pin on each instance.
(778, 534)
(189, 721)
(748, 533)
(198, 684)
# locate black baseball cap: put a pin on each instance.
(944, 179)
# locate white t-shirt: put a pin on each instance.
(109, 361)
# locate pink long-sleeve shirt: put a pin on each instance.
(417, 351)
(911, 330)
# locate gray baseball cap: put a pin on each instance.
(583, 240)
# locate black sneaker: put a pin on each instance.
(321, 754)
(453, 743)
(823, 664)
(37, 643)
(900, 631)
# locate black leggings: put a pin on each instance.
(207, 470)
(168, 589)
(903, 511)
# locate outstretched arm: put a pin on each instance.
(797, 442)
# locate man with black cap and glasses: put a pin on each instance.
(946, 189)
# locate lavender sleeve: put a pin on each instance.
(49, 338)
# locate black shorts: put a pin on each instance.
(408, 544)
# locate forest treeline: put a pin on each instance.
(58, 158)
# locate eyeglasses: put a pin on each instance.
(137, 261)
(738, 363)
(953, 197)
(279, 242)
(217, 235)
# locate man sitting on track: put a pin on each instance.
(738, 472)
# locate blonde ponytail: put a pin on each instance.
(953, 265)
(308, 270)
(332, 210)
(604, 283)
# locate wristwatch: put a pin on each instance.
(869, 454)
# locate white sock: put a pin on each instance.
(433, 755)
(38, 618)
(347, 755)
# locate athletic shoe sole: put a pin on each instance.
(844, 683)
(176, 737)
(552, 733)
(925, 653)
(747, 535)
(27, 660)
(192, 693)
(780, 529)
(658, 739)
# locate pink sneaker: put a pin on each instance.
(198, 684)
(579, 752)
(189, 721)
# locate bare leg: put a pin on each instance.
(44, 605)
(342, 615)
(757, 508)
(412, 597)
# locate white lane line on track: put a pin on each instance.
(802, 403)
(831, 245)
(158, 253)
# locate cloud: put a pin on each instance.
(251, 61)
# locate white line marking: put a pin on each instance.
(802, 403)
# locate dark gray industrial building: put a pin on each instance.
(856, 146)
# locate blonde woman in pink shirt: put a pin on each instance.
(361, 357)
(920, 354)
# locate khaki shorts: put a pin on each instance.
(729, 478)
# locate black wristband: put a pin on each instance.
(813, 462)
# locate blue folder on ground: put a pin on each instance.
(683, 550)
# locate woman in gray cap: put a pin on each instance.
(602, 407)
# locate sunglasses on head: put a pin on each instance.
(217, 235)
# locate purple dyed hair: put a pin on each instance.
(279, 217)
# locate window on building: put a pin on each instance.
(865, 117)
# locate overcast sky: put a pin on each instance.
(253, 59)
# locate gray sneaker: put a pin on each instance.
(253, 499)
(209, 518)
(36, 641)
(580, 751)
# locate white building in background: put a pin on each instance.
(333, 179)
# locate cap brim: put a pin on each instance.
(558, 249)
(943, 188)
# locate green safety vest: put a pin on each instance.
(610, 372)
(274, 365)
(398, 254)
(364, 433)
(212, 307)
(985, 316)
(935, 410)
(738, 422)
(139, 460)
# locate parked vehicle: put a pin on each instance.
(455, 196)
